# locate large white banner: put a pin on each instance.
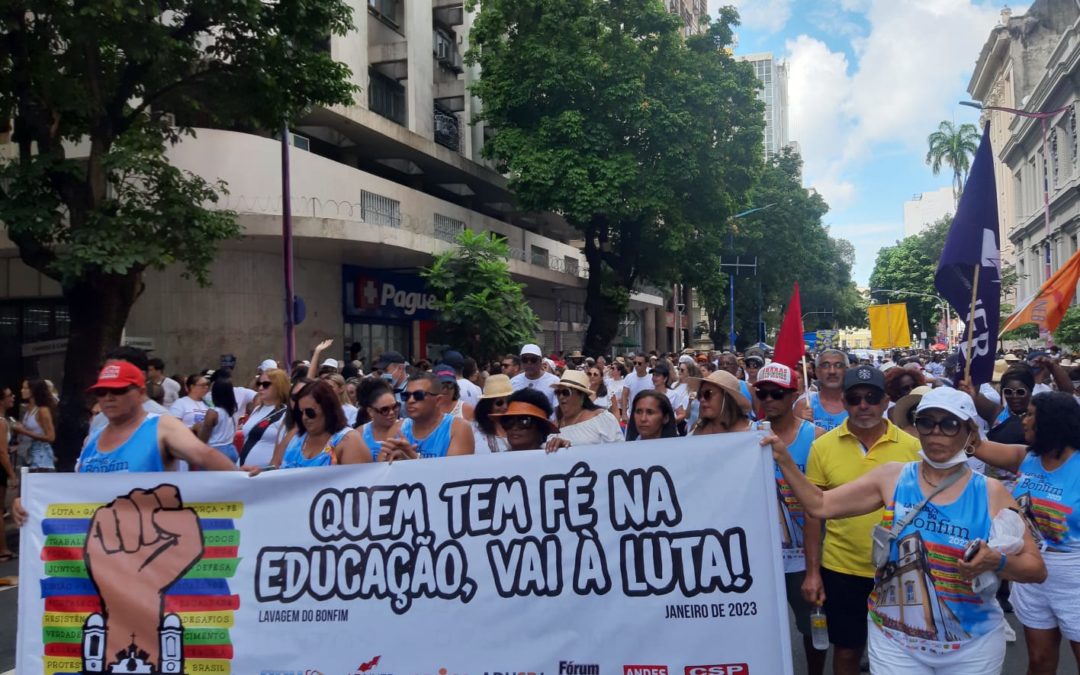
(649, 558)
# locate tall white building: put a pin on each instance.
(691, 12)
(923, 210)
(773, 76)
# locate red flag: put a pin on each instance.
(789, 348)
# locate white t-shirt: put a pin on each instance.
(350, 413)
(484, 444)
(244, 396)
(633, 384)
(679, 397)
(542, 384)
(263, 452)
(470, 393)
(189, 411)
(224, 431)
(603, 428)
(172, 391)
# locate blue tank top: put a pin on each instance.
(792, 517)
(436, 443)
(139, 453)
(1050, 500)
(369, 440)
(745, 389)
(919, 599)
(1002, 416)
(822, 417)
(294, 453)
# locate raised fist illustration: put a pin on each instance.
(137, 547)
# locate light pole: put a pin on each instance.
(735, 268)
(1042, 117)
(944, 304)
(287, 250)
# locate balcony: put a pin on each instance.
(447, 129)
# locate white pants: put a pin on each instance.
(1052, 604)
(982, 656)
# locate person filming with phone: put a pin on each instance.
(925, 616)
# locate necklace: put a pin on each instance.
(927, 478)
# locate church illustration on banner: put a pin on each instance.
(791, 517)
(132, 659)
(907, 600)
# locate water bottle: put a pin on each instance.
(819, 630)
(765, 425)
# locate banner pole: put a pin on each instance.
(971, 321)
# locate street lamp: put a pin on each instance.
(734, 268)
(944, 304)
(1042, 117)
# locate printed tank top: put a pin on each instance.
(822, 417)
(1050, 502)
(792, 517)
(139, 453)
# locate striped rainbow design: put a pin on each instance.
(794, 506)
(202, 598)
(1050, 518)
(943, 570)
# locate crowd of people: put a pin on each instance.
(900, 478)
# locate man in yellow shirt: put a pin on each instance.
(841, 579)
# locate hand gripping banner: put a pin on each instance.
(648, 558)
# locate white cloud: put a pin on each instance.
(767, 15)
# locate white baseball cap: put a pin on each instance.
(951, 401)
(686, 358)
(268, 364)
(531, 350)
(332, 363)
(778, 374)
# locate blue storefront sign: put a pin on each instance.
(382, 294)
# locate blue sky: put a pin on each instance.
(869, 81)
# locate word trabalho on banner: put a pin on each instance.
(658, 557)
(889, 326)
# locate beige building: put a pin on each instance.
(925, 209)
(691, 12)
(773, 92)
(378, 188)
(1030, 62)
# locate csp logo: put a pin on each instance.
(720, 669)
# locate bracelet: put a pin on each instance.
(1001, 565)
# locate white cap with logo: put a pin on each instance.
(531, 350)
(951, 401)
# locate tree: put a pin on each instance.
(910, 266)
(481, 309)
(1068, 331)
(954, 146)
(90, 199)
(643, 141)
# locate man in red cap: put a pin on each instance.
(133, 440)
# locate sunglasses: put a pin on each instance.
(563, 393)
(516, 422)
(498, 402)
(871, 398)
(774, 394)
(530, 359)
(949, 426)
(595, 373)
(387, 409)
(639, 363)
(263, 384)
(310, 413)
(101, 393)
(1009, 391)
(706, 393)
(418, 395)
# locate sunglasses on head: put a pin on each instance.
(949, 426)
(263, 384)
(418, 395)
(1010, 391)
(387, 409)
(518, 421)
(774, 394)
(871, 397)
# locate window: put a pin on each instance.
(301, 142)
(446, 51)
(379, 210)
(1072, 136)
(1055, 159)
(447, 228)
(447, 128)
(386, 97)
(384, 9)
(571, 264)
(539, 256)
(909, 592)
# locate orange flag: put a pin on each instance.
(1048, 306)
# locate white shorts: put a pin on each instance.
(984, 655)
(1051, 604)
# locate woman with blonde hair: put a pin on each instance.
(263, 428)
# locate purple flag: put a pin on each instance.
(972, 242)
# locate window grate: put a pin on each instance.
(379, 210)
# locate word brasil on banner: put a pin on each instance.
(648, 557)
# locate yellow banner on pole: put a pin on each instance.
(889, 326)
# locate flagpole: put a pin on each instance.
(971, 321)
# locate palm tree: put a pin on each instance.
(955, 147)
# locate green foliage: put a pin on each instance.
(1068, 331)
(482, 311)
(645, 142)
(954, 146)
(910, 265)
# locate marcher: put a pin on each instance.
(637, 381)
(218, 428)
(382, 410)
(841, 577)
(451, 402)
(337, 383)
(602, 396)
(661, 382)
(37, 427)
(580, 420)
(487, 437)
(510, 365)
(903, 413)
(651, 417)
(469, 392)
(427, 433)
(191, 409)
(323, 436)
(825, 407)
(11, 479)
(533, 376)
(156, 373)
(265, 425)
(527, 420)
(392, 367)
(723, 407)
(968, 639)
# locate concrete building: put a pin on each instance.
(923, 210)
(773, 76)
(691, 12)
(1032, 62)
(378, 188)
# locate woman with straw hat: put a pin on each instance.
(723, 406)
(903, 413)
(580, 420)
(487, 437)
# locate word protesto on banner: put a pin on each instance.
(649, 558)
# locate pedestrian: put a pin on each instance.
(1048, 492)
(527, 420)
(601, 396)
(323, 436)
(579, 419)
(383, 412)
(468, 391)
(825, 407)
(510, 365)
(451, 402)
(753, 362)
(688, 373)
(392, 369)
(841, 577)
(337, 383)
(532, 375)
(651, 417)
(730, 362)
(218, 427)
(37, 427)
(265, 425)
(903, 413)
(427, 433)
(899, 382)
(924, 567)
(722, 407)
(191, 409)
(11, 479)
(156, 373)
(494, 399)
(635, 382)
(661, 382)
(776, 386)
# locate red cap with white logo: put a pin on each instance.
(778, 374)
(119, 375)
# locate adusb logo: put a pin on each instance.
(719, 669)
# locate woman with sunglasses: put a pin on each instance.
(383, 410)
(924, 615)
(651, 417)
(323, 436)
(1048, 492)
(487, 435)
(722, 407)
(580, 421)
(191, 408)
(527, 420)
(600, 394)
(265, 425)
(661, 382)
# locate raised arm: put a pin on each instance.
(319, 349)
(1002, 456)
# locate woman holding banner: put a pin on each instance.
(923, 617)
(651, 417)
(323, 435)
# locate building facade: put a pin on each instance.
(773, 75)
(377, 189)
(1032, 62)
(925, 209)
(691, 12)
